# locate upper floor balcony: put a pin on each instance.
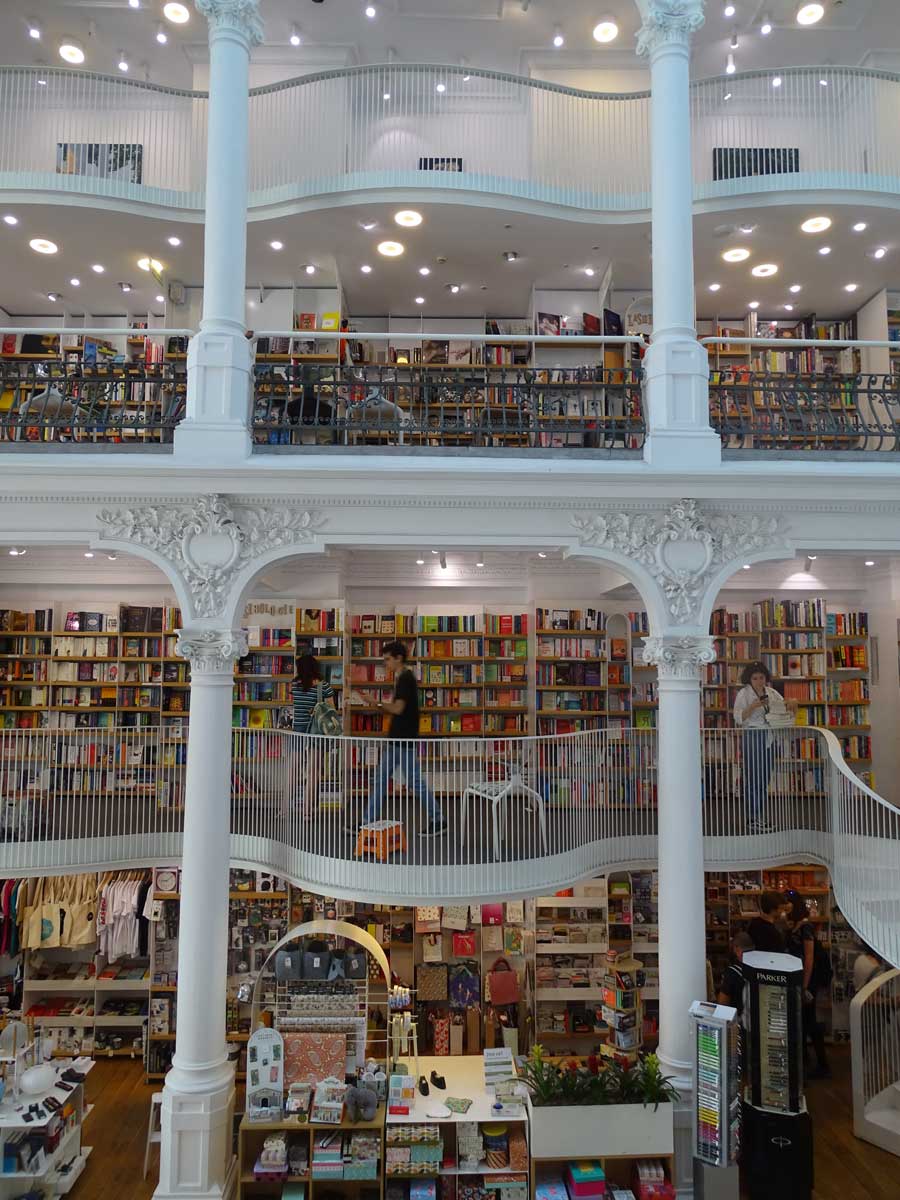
(449, 132)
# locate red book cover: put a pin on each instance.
(506, 625)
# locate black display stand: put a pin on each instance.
(777, 1154)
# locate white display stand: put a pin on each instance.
(45, 1173)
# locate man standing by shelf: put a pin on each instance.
(403, 708)
(764, 929)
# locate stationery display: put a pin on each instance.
(717, 1100)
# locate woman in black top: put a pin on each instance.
(802, 944)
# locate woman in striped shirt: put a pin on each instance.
(305, 695)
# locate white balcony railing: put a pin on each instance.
(875, 1062)
(449, 129)
(523, 815)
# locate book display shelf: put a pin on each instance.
(732, 901)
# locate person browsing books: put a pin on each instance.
(758, 707)
(399, 754)
(763, 929)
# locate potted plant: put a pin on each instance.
(598, 1108)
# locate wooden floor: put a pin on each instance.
(846, 1169)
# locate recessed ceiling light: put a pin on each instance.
(511, 255)
(161, 36)
(870, 562)
(98, 268)
(754, 304)
(880, 252)
(809, 14)
(727, 96)
(479, 562)
(788, 308)
(729, 10)
(714, 287)
(606, 31)
(148, 264)
(295, 38)
(75, 282)
(589, 271)
(541, 554)
(370, 11)
(43, 246)
(386, 96)
(310, 269)
(390, 249)
(746, 566)
(366, 269)
(71, 51)
(15, 551)
(558, 39)
(795, 287)
(134, 3)
(125, 287)
(764, 270)
(277, 245)
(812, 557)
(424, 270)
(823, 83)
(734, 43)
(112, 557)
(34, 30)
(178, 14)
(850, 287)
(816, 224)
(766, 26)
(174, 241)
(408, 218)
(776, 81)
(730, 68)
(9, 219)
(454, 288)
(824, 249)
(440, 87)
(88, 554)
(420, 299)
(123, 62)
(160, 299)
(747, 229)
(53, 297)
(860, 226)
(736, 254)
(368, 225)
(41, 80)
(420, 562)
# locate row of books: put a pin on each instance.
(23, 670)
(570, 647)
(856, 746)
(844, 715)
(576, 701)
(319, 620)
(266, 664)
(267, 636)
(458, 623)
(791, 613)
(563, 674)
(848, 657)
(793, 641)
(506, 625)
(385, 624)
(571, 618)
(851, 624)
(268, 692)
(723, 621)
(783, 666)
(12, 620)
(504, 672)
(848, 689)
(812, 690)
(427, 647)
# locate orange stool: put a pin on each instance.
(381, 839)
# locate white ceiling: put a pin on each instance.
(553, 255)
(510, 35)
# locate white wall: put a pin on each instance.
(872, 326)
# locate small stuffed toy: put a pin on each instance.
(360, 1104)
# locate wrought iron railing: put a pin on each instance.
(68, 401)
(835, 413)
(303, 404)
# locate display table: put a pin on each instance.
(54, 1138)
(464, 1074)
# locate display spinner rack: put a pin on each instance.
(717, 1100)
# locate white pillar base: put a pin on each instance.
(680, 436)
(216, 427)
(196, 1158)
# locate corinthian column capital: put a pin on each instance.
(233, 16)
(679, 657)
(667, 22)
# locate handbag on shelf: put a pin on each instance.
(504, 983)
(431, 981)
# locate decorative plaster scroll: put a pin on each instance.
(210, 541)
(682, 548)
(667, 21)
(212, 651)
(679, 657)
(240, 15)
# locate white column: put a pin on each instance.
(219, 361)
(682, 919)
(676, 365)
(198, 1097)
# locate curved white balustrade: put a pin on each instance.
(523, 815)
(875, 1061)
(450, 130)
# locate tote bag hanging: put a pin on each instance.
(465, 985)
(503, 983)
(80, 928)
(431, 981)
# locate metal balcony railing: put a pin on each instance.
(469, 817)
(875, 1061)
(449, 128)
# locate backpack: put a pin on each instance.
(325, 719)
(823, 971)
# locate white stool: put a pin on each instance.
(154, 1129)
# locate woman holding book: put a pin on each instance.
(757, 708)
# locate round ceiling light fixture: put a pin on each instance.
(795, 287)
(173, 240)
(824, 249)
(730, 68)
(606, 31)
(860, 227)
(160, 299)
(764, 270)
(75, 281)
(408, 218)
(754, 304)
(150, 264)
(816, 224)
(558, 38)
(43, 246)
(736, 254)
(390, 249)
(9, 219)
(366, 269)
(714, 287)
(178, 14)
(276, 245)
(123, 62)
(420, 299)
(71, 51)
(810, 14)
(98, 268)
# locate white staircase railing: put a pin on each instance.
(523, 815)
(875, 1060)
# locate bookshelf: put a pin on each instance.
(450, 666)
(737, 645)
(370, 682)
(506, 695)
(570, 685)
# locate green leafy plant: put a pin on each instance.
(573, 1083)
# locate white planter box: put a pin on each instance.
(595, 1131)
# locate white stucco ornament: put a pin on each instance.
(242, 16)
(682, 548)
(678, 657)
(667, 21)
(210, 540)
(212, 650)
